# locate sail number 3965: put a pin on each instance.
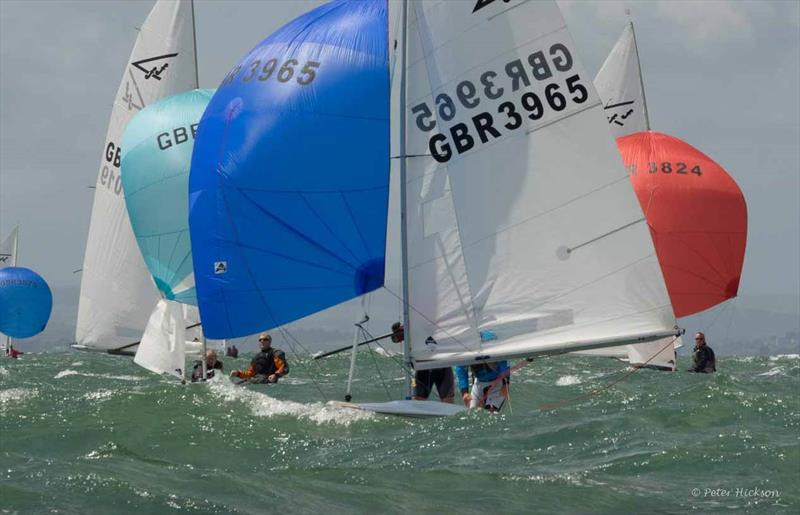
(263, 70)
(508, 114)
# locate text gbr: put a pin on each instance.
(539, 67)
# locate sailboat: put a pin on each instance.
(157, 151)
(517, 216)
(8, 257)
(117, 293)
(696, 213)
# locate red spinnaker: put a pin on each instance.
(697, 217)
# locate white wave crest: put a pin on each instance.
(99, 395)
(16, 395)
(262, 405)
(784, 356)
(568, 380)
(3, 371)
(773, 372)
(69, 372)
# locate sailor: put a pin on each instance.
(232, 351)
(489, 387)
(212, 364)
(267, 366)
(424, 380)
(703, 357)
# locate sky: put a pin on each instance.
(723, 76)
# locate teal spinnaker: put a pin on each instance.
(290, 173)
(156, 157)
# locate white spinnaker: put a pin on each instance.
(162, 347)
(117, 292)
(535, 236)
(619, 84)
(8, 249)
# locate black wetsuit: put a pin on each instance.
(704, 360)
(197, 371)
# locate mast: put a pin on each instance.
(203, 366)
(194, 43)
(403, 217)
(641, 79)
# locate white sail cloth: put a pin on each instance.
(117, 292)
(8, 249)
(162, 347)
(619, 84)
(524, 233)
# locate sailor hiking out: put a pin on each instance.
(267, 366)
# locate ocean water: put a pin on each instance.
(90, 433)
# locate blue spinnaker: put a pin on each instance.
(25, 302)
(290, 173)
(156, 157)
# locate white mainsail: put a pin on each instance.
(524, 235)
(621, 88)
(162, 347)
(8, 257)
(117, 292)
(8, 249)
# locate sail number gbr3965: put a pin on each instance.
(490, 106)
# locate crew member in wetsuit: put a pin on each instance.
(703, 357)
(424, 380)
(267, 366)
(489, 387)
(212, 364)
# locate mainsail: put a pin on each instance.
(290, 173)
(117, 293)
(621, 88)
(8, 249)
(524, 234)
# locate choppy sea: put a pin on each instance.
(90, 433)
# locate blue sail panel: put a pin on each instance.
(25, 302)
(156, 157)
(290, 173)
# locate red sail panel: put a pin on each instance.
(697, 217)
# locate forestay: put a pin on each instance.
(117, 293)
(156, 156)
(289, 180)
(620, 86)
(523, 228)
